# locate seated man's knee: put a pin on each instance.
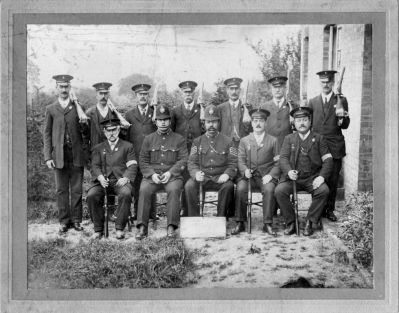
(190, 184)
(242, 186)
(323, 189)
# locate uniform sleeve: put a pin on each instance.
(182, 156)
(242, 157)
(285, 155)
(231, 169)
(131, 164)
(346, 119)
(144, 159)
(193, 159)
(326, 158)
(47, 136)
(275, 171)
(96, 163)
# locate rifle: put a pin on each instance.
(81, 114)
(246, 118)
(154, 102)
(289, 102)
(295, 205)
(201, 102)
(106, 195)
(339, 109)
(201, 191)
(249, 202)
(124, 122)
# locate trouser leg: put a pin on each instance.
(124, 202)
(319, 199)
(76, 179)
(332, 183)
(268, 201)
(191, 189)
(282, 193)
(147, 189)
(241, 199)
(62, 189)
(225, 197)
(95, 202)
(173, 190)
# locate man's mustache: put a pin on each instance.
(212, 128)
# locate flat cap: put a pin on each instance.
(63, 78)
(234, 81)
(110, 123)
(102, 86)
(326, 74)
(301, 112)
(141, 88)
(277, 81)
(259, 113)
(188, 84)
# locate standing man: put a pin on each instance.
(140, 118)
(278, 124)
(186, 122)
(304, 158)
(261, 150)
(327, 123)
(114, 166)
(218, 165)
(63, 151)
(163, 158)
(232, 112)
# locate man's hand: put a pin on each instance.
(200, 176)
(122, 181)
(103, 181)
(165, 177)
(50, 164)
(317, 182)
(293, 175)
(248, 173)
(223, 178)
(266, 179)
(155, 178)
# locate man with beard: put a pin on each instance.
(305, 159)
(63, 138)
(140, 118)
(278, 123)
(114, 166)
(218, 165)
(232, 112)
(261, 150)
(163, 158)
(186, 122)
(329, 124)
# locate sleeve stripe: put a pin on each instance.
(326, 156)
(193, 150)
(131, 162)
(276, 158)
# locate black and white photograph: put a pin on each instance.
(193, 159)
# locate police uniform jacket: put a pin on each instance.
(121, 161)
(55, 122)
(140, 127)
(278, 123)
(218, 156)
(319, 154)
(163, 152)
(264, 158)
(96, 131)
(325, 123)
(187, 123)
(226, 122)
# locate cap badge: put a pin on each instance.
(211, 111)
(162, 110)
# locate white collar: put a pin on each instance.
(112, 146)
(188, 105)
(280, 102)
(141, 109)
(259, 138)
(327, 96)
(103, 110)
(303, 137)
(234, 103)
(63, 103)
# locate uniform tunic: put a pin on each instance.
(321, 161)
(214, 156)
(113, 164)
(162, 153)
(325, 123)
(264, 161)
(63, 138)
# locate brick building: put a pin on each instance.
(332, 47)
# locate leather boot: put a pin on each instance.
(142, 232)
(240, 227)
(308, 229)
(290, 229)
(267, 228)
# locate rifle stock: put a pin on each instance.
(201, 191)
(295, 204)
(106, 196)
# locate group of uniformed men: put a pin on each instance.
(177, 151)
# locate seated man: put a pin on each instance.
(163, 158)
(212, 162)
(304, 158)
(262, 151)
(114, 166)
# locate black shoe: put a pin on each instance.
(290, 229)
(112, 218)
(171, 231)
(77, 227)
(142, 232)
(308, 229)
(267, 228)
(331, 216)
(97, 236)
(240, 227)
(63, 228)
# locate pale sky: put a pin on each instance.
(167, 53)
